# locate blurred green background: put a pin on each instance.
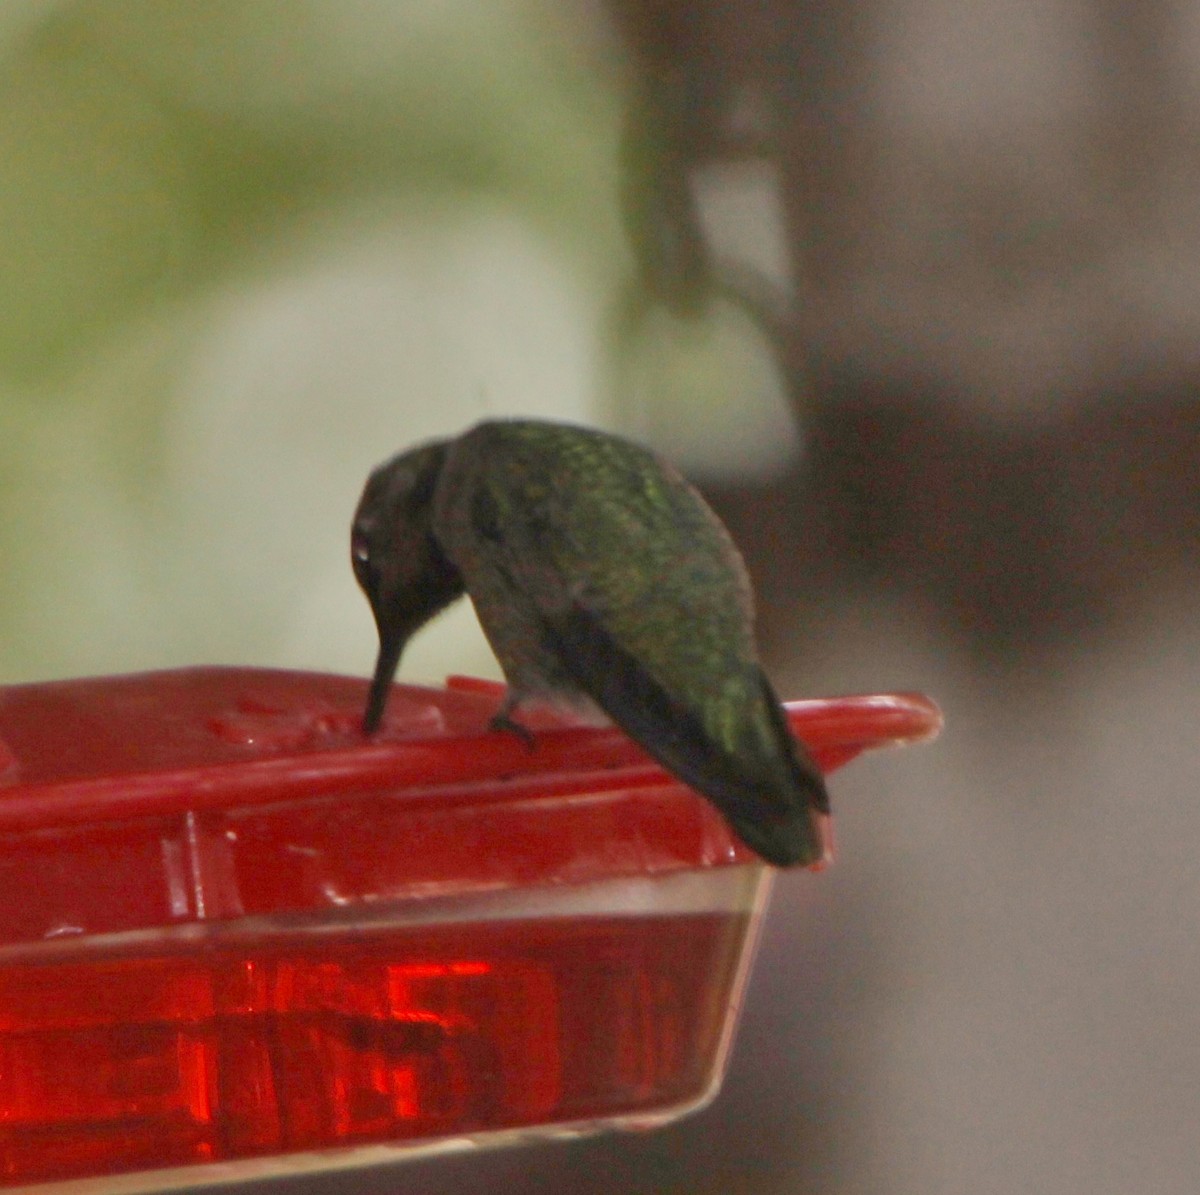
(251, 249)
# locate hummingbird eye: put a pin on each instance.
(360, 557)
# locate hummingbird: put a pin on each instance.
(604, 584)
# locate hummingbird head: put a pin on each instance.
(397, 560)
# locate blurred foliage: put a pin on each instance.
(172, 173)
(146, 148)
(251, 247)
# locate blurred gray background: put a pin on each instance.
(912, 288)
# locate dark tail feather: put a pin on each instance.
(769, 793)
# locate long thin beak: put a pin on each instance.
(391, 647)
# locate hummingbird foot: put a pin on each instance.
(502, 719)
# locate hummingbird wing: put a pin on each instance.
(749, 766)
(636, 591)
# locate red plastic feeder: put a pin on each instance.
(233, 929)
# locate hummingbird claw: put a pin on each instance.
(502, 719)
